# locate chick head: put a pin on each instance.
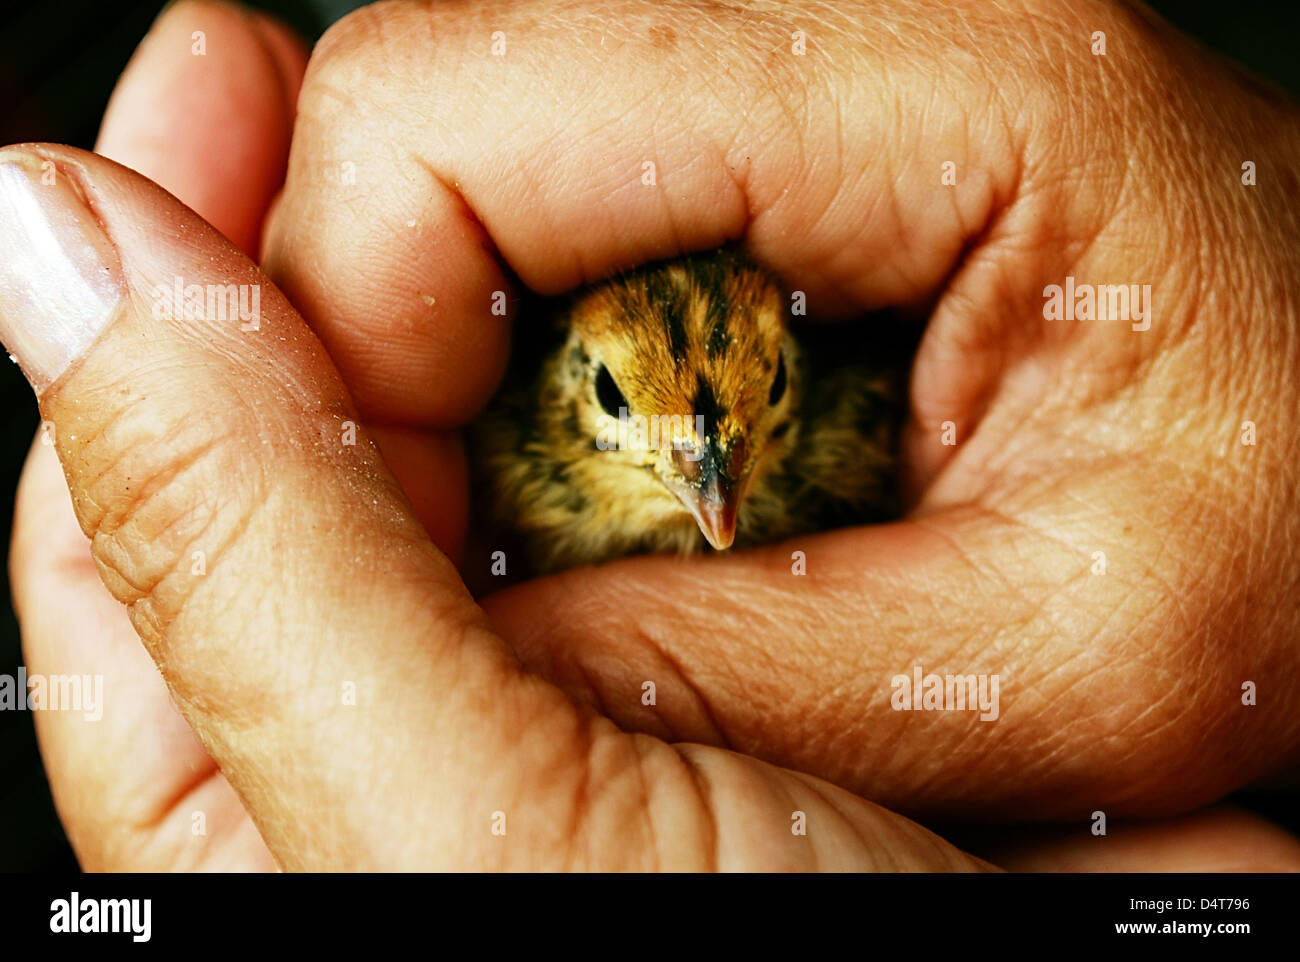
(686, 373)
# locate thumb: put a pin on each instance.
(215, 463)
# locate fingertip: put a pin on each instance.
(399, 280)
(288, 53)
(205, 109)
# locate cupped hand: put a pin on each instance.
(1088, 524)
(343, 702)
(423, 160)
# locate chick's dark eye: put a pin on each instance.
(607, 392)
(778, 382)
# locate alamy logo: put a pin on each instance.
(73, 915)
(1107, 302)
(921, 692)
(213, 302)
(83, 693)
(635, 432)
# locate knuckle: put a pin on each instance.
(353, 33)
(340, 75)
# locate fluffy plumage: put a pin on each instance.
(775, 436)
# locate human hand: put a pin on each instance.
(1120, 691)
(321, 648)
(594, 653)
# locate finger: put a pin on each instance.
(401, 194)
(767, 651)
(1114, 678)
(130, 785)
(162, 459)
(1223, 838)
(205, 109)
(324, 651)
(133, 786)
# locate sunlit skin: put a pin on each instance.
(754, 454)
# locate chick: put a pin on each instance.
(759, 436)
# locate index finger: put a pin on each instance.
(439, 150)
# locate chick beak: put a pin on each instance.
(716, 492)
(714, 507)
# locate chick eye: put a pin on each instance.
(608, 394)
(778, 383)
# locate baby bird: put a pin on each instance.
(677, 410)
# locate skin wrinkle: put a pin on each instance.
(592, 736)
(576, 113)
(1150, 784)
(1188, 581)
(708, 806)
(634, 755)
(1060, 643)
(664, 196)
(896, 761)
(970, 561)
(969, 748)
(980, 399)
(826, 704)
(173, 808)
(865, 839)
(1059, 693)
(950, 778)
(1152, 780)
(465, 210)
(1147, 573)
(113, 517)
(125, 560)
(1102, 721)
(150, 618)
(362, 148)
(241, 607)
(774, 798)
(192, 676)
(588, 691)
(1057, 754)
(696, 693)
(1160, 692)
(222, 710)
(640, 748)
(581, 793)
(135, 809)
